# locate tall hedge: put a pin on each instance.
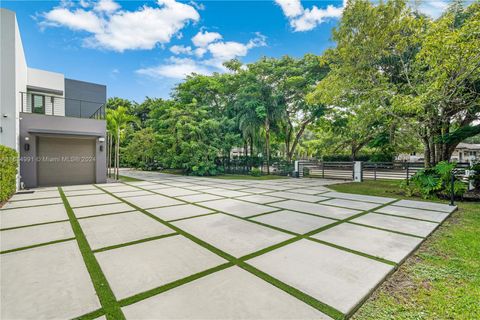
(8, 172)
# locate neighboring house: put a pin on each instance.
(464, 152)
(56, 124)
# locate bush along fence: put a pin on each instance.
(255, 166)
(8, 172)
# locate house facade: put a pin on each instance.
(464, 152)
(57, 125)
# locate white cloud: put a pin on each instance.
(433, 9)
(203, 38)
(122, 30)
(106, 6)
(302, 19)
(199, 52)
(218, 52)
(181, 50)
(77, 19)
(290, 8)
(176, 68)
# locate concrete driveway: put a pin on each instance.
(175, 247)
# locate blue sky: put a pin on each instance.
(142, 48)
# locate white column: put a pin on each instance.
(357, 171)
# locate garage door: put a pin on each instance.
(65, 161)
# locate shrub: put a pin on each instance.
(435, 181)
(8, 172)
(255, 172)
(475, 177)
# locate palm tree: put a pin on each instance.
(117, 122)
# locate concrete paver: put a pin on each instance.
(318, 209)
(358, 205)
(297, 196)
(140, 267)
(27, 216)
(31, 203)
(179, 212)
(400, 224)
(237, 207)
(35, 195)
(338, 278)
(91, 200)
(260, 198)
(175, 192)
(294, 221)
(199, 197)
(232, 235)
(383, 244)
(414, 213)
(102, 209)
(49, 282)
(359, 197)
(232, 293)
(137, 192)
(426, 205)
(152, 201)
(28, 236)
(105, 231)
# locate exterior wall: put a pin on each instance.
(83, 98)
(13, 74)
(46, 82)
(35, 125)
(51, 81)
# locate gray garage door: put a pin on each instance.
(65, 161)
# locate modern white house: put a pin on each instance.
(56, 124)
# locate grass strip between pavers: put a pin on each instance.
(126, 244)
(326, 309)
(104, 292)
(34, 225)
(36, 245)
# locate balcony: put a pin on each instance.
(40, 103)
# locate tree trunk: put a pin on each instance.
(118, 154)
(111, 154)
(267, 143)
(426, 152)
(297, 139)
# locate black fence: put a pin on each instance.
(244, 165)
(58, 106)
(370, 170)
(327, 169)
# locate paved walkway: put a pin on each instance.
(177, 247)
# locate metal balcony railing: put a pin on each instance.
(40, 103)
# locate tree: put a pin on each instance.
(418, 73)
(142, 150)
(117, 121)
(187, 138)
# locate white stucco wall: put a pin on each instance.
(46, 79)
(8, 114)
(41, 79)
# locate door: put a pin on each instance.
(65, 161)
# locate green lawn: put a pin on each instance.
(247, 177)
(441, 280)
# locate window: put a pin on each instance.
(38, 103)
